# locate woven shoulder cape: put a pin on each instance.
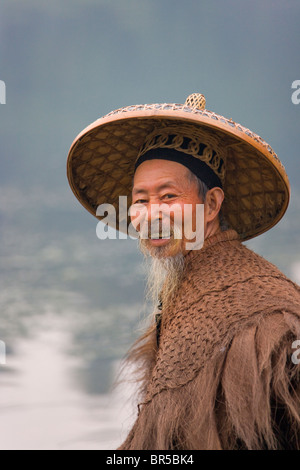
(226, 374)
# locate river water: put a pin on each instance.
(43, 406)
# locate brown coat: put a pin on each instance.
(223, 375)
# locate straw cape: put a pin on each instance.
(102, 159)
(225, 373)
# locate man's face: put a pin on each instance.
(157, 183)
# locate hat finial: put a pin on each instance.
(195, 101)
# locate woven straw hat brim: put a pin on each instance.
(101, 160)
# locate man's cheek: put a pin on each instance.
(177, 216)
(137, 213)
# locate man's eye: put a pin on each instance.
(140, 201)
(169, 196)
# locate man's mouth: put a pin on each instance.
(157, 242)
(157, 239)
(159, 234)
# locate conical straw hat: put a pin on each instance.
(101, 161)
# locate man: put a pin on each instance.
(218, 364)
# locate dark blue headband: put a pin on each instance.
(195, 165)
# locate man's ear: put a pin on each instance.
(213, 202)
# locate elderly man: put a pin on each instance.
(219, 365)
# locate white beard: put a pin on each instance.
(162, 272)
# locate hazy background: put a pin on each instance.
(71, 304)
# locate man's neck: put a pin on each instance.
(212, 229)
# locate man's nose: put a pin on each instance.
(153, 211)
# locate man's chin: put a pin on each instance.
(161, 248)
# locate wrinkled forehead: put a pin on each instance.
(160, 173)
